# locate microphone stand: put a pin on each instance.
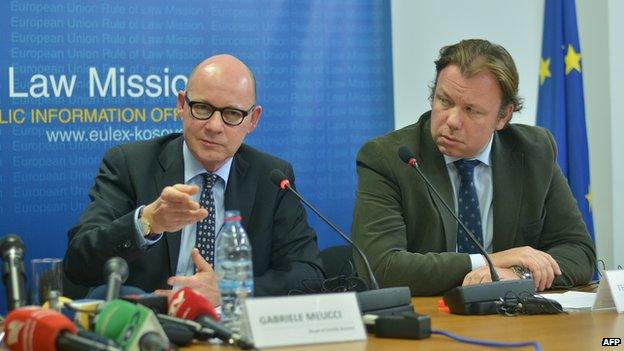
(12, 250)
(387, 301)
(480, 298)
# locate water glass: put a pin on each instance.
(47, 276)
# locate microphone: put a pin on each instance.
(375, 301)
(178, 334)
(100, 292)
(279, 178)
(116, 271)
(133, 327)
(12, 249)
(96, 337)
(182, 331)
(187, 304)
(472, 299)
(33, 328)
(158, 304)
(179, 331)
(83, 311)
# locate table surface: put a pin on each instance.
(582, 330)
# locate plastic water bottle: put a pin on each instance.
(234, 269)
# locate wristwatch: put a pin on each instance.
(521, 272)
(144, 224)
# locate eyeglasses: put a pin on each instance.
(230, 115)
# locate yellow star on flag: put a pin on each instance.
(544, 70)
(572, 60)
(589, 199)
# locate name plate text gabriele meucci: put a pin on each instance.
(301, 320)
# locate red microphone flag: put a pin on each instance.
(187, 304)
(33, 328)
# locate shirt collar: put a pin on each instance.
(193, 168)
(483, 156)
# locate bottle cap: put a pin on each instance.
(232, 216)
(233, 219)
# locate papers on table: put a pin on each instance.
(573, 300)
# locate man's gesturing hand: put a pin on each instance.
(204, 281)
(174, 209)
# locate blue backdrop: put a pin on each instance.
(77, 77)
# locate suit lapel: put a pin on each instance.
(241, 187)
(433, 166)
(507, 182)
(172, 172)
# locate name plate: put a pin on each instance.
(303, 319)
(611, 291)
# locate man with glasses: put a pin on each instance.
(160, 203)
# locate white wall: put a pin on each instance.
(593, 33)
(421, 28)
(616, 57)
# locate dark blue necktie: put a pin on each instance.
(205, 239)
(468, 206)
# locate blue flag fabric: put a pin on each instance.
(560, 106)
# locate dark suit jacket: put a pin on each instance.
(284, 247)
(411, 239)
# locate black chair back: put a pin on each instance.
(337, 261)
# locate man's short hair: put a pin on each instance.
(474, 56)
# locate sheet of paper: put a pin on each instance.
(573, 299)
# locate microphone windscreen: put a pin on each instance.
(10, 241)
(277, 177)
(187, 304)
(99, 293)
(131, 326)
(113, 317)
(117, 265)
(405, 154)
(33, 328)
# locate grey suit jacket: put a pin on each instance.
(284, 248)
(410, 238)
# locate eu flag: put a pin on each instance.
(560, 106)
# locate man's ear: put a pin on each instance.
(180, 104)
(502, 121)
(255, 118)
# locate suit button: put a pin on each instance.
(127, 244)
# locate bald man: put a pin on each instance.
(145, 203)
